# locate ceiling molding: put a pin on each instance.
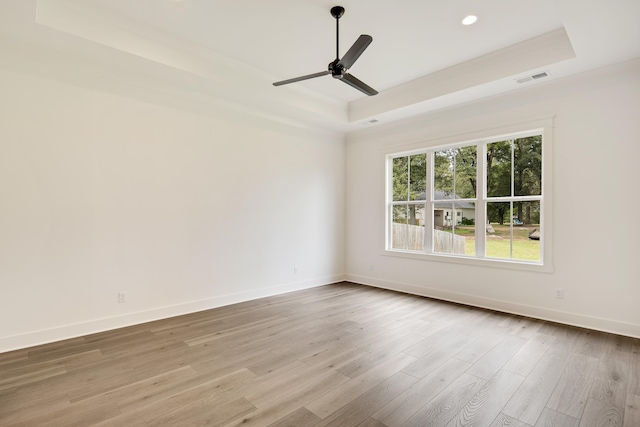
(210, 74)
(532, 54)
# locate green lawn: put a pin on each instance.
(498, 244)
(528, 250)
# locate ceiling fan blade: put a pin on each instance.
(354, 82)
(355, 51)
(297, 79)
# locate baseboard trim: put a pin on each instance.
(31, 339)
(573, 319)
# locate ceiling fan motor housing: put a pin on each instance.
(336, 70)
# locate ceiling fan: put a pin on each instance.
(339, 67)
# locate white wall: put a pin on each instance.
(107, 186)
(596, 153)
(184, 210)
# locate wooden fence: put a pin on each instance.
(414, 235)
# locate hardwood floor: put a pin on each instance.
(337, 355)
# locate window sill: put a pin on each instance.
(480, 262)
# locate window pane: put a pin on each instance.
(401, 179)
(528, 213)
(407, 230)
(498, 230)
(399, 227)
(415, 215)
(527, 166)
(499, 169)
(449, 234)
(520, 243)
(465, 172)
(418, 177)
(464, 226)
(442, 230)
(526, 231)
(443, 174)
(415, 228)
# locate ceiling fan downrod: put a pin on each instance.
(337, 12)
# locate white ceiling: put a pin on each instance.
(422, 59)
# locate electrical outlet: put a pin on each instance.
(122, 297)
(559, 293)
(295, 270)
(370, 266)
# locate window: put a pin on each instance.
(479, 201)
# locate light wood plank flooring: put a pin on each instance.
(337, 355)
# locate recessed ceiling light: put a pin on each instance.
(469, 20)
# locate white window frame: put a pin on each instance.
(544, 127)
